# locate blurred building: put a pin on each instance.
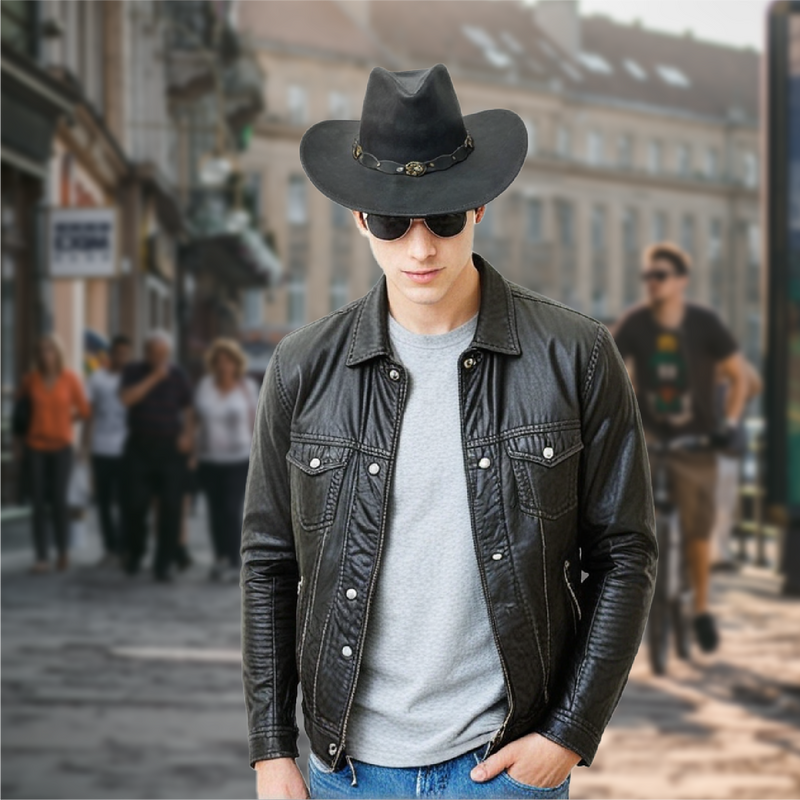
(634, 136)
(112, 111)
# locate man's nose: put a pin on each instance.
(421, 242)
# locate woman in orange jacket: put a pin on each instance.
(56, 400)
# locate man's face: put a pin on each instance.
(421, 266)
(156, 352)
(120, 355)
(662, 282)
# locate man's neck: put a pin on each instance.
(460, 304)
(669, 313)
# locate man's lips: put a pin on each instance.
(424, 276)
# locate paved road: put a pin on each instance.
(120, 687)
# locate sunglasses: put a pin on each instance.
(392, 228)
(659, 275)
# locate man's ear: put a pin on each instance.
(360, 224)
(479, 212)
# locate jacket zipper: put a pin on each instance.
(371, 589)
(482, 574)
(575, 604)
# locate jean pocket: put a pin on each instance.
(560, 791)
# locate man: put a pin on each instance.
(105, 433)
(674, 350)
(160, 432)
(433, 466)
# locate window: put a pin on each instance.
(687, 233)
(297, 299)
(530, 127)
(595, 63)
(297, 102)
(566, 223)
(712, 163)
(625, 151)
(654, 157)
(594, 148)
(683, 159)
(635, 69)
(714, 240)
(598, 232)
(659, 232)
(753, 244)
(296, 210)
(630, 239)
(19, 26)
(340, 216)
(534, 227)
(563, 142)
(749, 169)
(252, 307)
(338, 105)
(338, 294)
(673, 76)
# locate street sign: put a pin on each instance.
(82, 242)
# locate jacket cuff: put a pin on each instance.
(273, 743)
(572, 733)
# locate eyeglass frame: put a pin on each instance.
(364, 215)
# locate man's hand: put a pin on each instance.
(280, 778)
(531, 759)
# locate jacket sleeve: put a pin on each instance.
(269, 580)
(618, 551)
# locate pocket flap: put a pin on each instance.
(545, 447)
(316, 457)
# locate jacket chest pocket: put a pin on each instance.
(316, 472)
(545, 466)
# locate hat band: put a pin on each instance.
(414, 168)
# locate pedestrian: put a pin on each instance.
(225, 403)
(56, 401)
(160, 419)
(434, 466)
(105, 432)
(728, 477)
(674, 349)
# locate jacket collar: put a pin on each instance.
(496, 328)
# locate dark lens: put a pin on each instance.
(387, 228)
(446, 225)
(655, 275)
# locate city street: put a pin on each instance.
(120, 687)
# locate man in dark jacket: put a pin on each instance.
(435, 467)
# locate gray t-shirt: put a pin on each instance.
(431, 684)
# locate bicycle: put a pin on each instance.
(671, 609)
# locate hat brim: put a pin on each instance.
(501, 144)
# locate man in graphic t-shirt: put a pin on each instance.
(673, 349)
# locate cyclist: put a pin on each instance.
(673, 349)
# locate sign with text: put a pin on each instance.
(83, 242)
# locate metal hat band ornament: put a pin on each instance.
(414, 169)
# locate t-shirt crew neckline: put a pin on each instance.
(431, 340)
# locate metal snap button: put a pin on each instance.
(497, 556)
(548, 452)
(314, 463)
(484, 463)
(469, 362)
(347, 651)
(394, 374)
(332, 748)
(351, 594)
(374, 468)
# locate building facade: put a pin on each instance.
(635, 136)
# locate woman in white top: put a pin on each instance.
(225, 406)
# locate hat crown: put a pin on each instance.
(412, 115)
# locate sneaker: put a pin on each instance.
(705, 630)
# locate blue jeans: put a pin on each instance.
(446, 779)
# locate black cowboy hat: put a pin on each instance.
(413, 153)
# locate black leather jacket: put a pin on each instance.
(558, 481)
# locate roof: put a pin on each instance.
(284, 24)
(499, 41)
